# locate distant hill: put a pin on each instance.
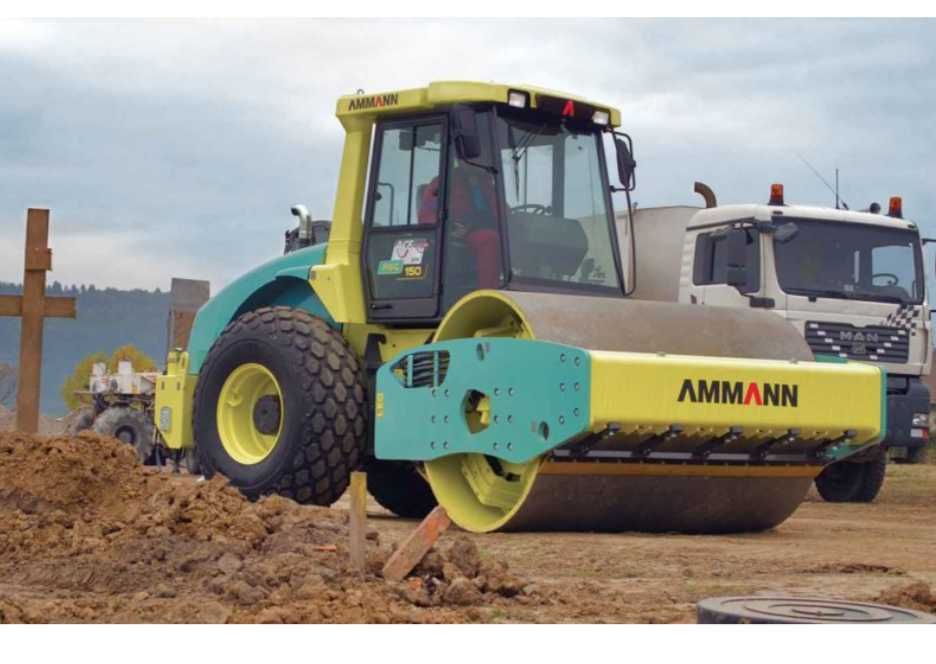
(107, 318)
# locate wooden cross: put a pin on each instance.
(33, 306)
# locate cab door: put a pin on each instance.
(401, 257)
(727, 268)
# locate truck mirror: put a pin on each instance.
(626, 164)
(465, 132)
(407, 140)
(786, 232)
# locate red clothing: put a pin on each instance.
(467, 206)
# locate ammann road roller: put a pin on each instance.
(465, 335)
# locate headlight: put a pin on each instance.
(920, 420)
(517, 99)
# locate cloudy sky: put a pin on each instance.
(175, 148)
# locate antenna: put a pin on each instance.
(839, 203)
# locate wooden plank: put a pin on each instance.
(357, 523)
(60, 307)
(33, 307)
(11, 305)
(416, 545)
(55, 307)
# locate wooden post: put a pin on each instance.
(417, 545)
(357, 523)
(33, 307)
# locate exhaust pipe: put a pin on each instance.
(706, 192)
(305, 222)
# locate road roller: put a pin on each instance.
(462, 330)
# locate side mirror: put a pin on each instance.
(786, 232)
(626, 164)
(465, 133)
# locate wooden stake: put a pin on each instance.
(33, 307)
(357, 525)
(417, 545)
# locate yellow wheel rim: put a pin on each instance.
(482, 494)
(237, 403)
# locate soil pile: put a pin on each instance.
(918, 596)
(88, 535)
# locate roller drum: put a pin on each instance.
(634, 496)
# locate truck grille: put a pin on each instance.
(874, 343)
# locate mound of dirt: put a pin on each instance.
(88, 535)
(918, 596)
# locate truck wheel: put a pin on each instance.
(130, 426)
(280, 407)
(81, 420)
(873, 480)
(840, 482)
(398, 487)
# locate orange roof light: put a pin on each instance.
(776, 194)
(895, 209)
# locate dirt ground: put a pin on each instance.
(88, 536)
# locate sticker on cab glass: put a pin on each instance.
(390, 267)
(410, 251)
(413, 271)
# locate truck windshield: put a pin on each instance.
(555, 193)
(851, 261)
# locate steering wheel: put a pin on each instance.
(535, 208)
(894, 278)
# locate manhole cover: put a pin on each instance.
(758, 609)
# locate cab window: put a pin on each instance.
(403, 214)
(712, 260)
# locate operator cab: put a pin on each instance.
(488, 195)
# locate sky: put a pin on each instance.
(176, 147)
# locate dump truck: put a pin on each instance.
(852, 283)
(465, 335)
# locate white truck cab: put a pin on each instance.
(853, 283)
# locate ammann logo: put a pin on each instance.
(374, 101)
(737, 392)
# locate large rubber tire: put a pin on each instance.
(81, 420)
(398, 487)
(130, 426)
(852, 481)
(322, 426)
(874, 471)
(840, 482)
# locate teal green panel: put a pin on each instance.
(281, 281)
(539, 395)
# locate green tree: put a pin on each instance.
(78, 380)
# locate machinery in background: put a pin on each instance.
(120, 405)
(851, 283)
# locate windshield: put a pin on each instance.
(556, 204)
(851, 261)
